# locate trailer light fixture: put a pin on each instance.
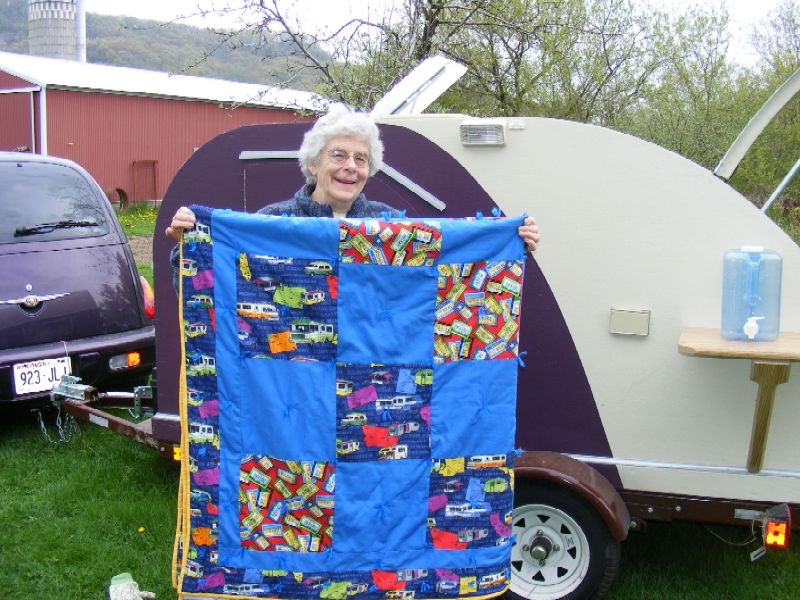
(777, 527)
(775, 535)
(483, 132)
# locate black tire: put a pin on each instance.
(581, 558)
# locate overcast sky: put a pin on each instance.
(314, 13)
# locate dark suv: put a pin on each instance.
(71, 298)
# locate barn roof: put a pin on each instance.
(75, 75)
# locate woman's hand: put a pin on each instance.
(529, 232)
(183, 219)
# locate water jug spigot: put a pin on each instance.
(750, 328)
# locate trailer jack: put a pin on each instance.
(84, 402)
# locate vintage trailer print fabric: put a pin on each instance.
(349, 406)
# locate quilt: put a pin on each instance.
(348, 406)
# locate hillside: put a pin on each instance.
(173, 48)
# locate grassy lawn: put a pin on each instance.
(698, 562)
(138, 219)
(78, 513)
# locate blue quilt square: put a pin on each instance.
(288, 408)
(277, 237)
(470, 412)
(381, 507)
(396, 305)
(465, 241)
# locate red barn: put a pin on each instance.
(132, 129)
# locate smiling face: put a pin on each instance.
(340, 184)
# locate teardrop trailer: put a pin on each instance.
(631, 407)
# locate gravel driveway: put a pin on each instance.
(142, 247)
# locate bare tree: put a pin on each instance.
(777, 40)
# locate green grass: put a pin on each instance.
(72, 513)
(147, 272)
(690, 561)
(138, 219)
(788, 219)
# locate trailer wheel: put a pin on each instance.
(561, 548)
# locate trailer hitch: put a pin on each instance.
(84, 402)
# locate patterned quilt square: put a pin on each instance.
(286, 308)
(398, 243)
(285, 505)
(383, 412)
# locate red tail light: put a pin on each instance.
(149, 298)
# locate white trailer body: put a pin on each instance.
(630, 226)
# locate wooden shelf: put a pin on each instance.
(770, 364)
(697, 341)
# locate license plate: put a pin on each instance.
(39, 375)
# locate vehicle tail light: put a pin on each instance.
(121, 362)
(149, 298)
(777, 527)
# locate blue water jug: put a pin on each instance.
(751, 294)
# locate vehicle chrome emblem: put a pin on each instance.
(32, 300)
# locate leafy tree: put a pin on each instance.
(692, 104)
(777, 149)
(578, 59)
(618, 63)
(14, 25)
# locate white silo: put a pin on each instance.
(57, 29)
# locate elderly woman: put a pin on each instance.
(338, 154)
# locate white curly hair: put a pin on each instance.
(340, 120)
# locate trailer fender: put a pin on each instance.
(581, 479)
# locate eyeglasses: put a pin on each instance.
(340, 157)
